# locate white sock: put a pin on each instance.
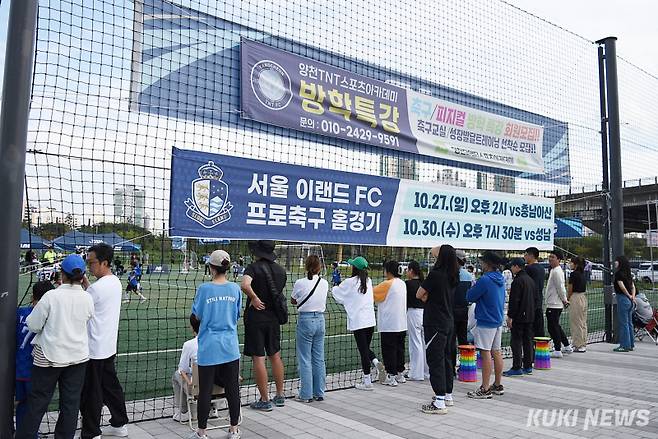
(367, 379)
(439, 402)
(448, 397)
(375, 362)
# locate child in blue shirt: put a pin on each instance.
(134, 286)
(24, 350)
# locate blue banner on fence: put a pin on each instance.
(568, 228)
(284, 89)
(223, 197)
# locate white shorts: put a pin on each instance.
(487, 339)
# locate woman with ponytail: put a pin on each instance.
(217, 306)
(310, 296)
(356, 295)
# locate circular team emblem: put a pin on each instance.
(271, 85)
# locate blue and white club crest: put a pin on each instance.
(209, 205)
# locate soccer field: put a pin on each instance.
(152, 333)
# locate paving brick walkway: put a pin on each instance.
(599, 379)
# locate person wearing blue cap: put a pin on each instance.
(61, 351)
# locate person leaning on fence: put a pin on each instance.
(438, 293)
(576, 296)
(102, 385)
(625, 292)
(556, 301)
(538, 275)
(182, 379)
(60, 351)
(310, 296)
(217, 306)
(520, 318)
(391, 299)
(262, 280)
(488, 294)
(460, 308)
(355, 294)
(24, 350)
(418, 370)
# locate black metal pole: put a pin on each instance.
(614, 141)
(605, 205)
(19, 61)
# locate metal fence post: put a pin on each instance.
(19, 62)
(610, 133)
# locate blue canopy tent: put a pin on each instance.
(74, 240)
(33, 242)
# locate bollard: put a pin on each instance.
(542, 353)
(467, 364)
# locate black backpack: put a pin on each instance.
(279, 302)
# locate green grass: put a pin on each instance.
(152, 333)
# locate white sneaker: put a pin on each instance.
(184, 417)
(580, 350)
(556, 354)
(115, 431)
(389, 381)
(364, 386)
(567, 349)
(400, 378)
(449, 402)
(195, 435)
(234, 435)
(176, 416)
(381, 371)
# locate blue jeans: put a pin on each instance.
(310, 354)
(625, 321)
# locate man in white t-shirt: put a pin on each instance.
(101, 382)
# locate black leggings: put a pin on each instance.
(554, 328)
(393, 351)
(225, 375)
(363, 338)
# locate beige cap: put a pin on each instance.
(218, 257)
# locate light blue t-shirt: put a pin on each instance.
(218, 309)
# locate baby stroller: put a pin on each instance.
(645, 319)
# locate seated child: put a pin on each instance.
(24, 350)
(182, 379)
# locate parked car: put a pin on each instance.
(646, 274)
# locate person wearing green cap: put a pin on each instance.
(356, 295)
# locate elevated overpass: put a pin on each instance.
(587, 203)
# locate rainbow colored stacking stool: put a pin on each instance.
(542, 353)
(467, 369)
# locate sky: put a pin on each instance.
(633, 22)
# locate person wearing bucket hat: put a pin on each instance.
(356, 295)
(489, 295)
(61, 351)
(262, 280)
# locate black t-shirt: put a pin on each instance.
(440, 296)
(262, 289)
(627, 283)
(538, 275)
(578, 281)
(412, 289)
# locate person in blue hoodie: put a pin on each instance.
(489, 295)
